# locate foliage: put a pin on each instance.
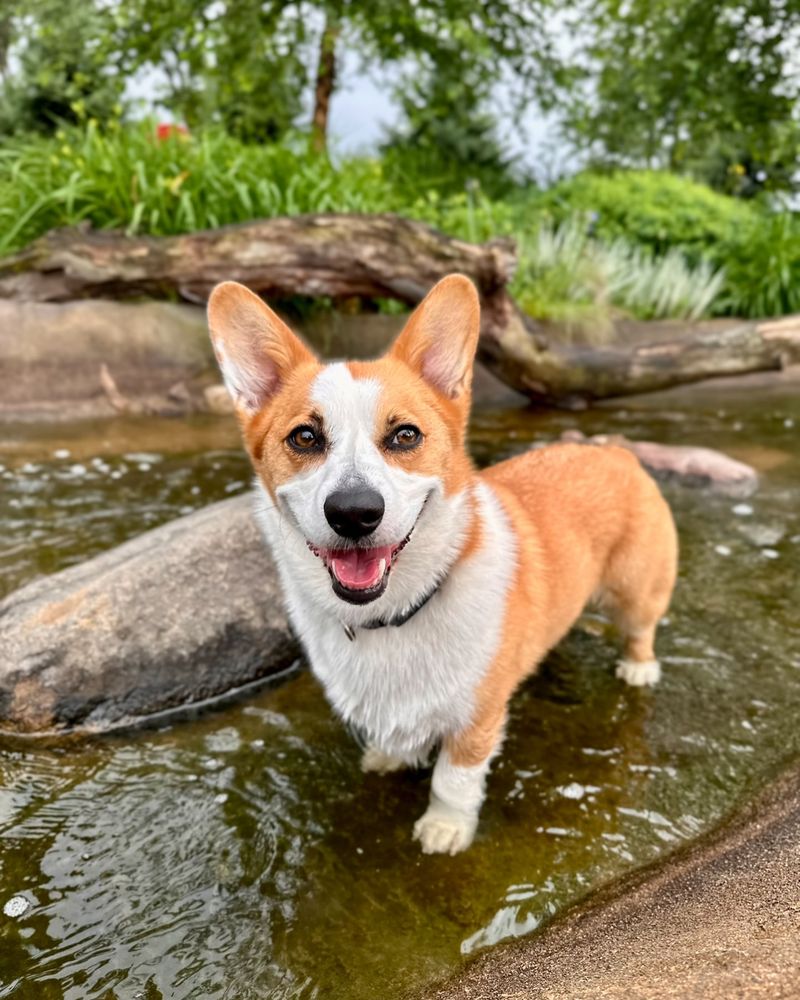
(763, 267)
(687, 84)
(666, 287)
(443, 38)
(66, 71)
(757, 246)
(652, 208)
(243, 70)
(566, 276)
(454, 136)
(242, 66)
(128, 178)
(649, 253)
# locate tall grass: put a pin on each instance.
(129, 179)
(763, 267)
(568, 277)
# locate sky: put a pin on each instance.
(362, 108)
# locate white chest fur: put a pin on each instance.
(407, 686)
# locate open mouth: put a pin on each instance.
(360, 575)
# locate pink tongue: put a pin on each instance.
(360, 569)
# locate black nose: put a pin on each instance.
(354, 513)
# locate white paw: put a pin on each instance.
(376, 760)
(445, 832)
(639, 674)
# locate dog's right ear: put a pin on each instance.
(255, 349)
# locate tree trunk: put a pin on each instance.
(384, 256)
(325, 83)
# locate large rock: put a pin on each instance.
(688, 464)
(51, 356)
(95, 357)
(178, 615)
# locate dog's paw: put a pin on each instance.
(444, 832)
(375, 760)
(639, 674)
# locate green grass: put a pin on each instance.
(647, 244)
(128, 179)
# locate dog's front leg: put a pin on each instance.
(457, 789)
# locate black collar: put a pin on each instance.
(398, 620)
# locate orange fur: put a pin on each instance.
(590, 523)
(408, 398)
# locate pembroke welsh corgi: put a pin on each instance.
(424, 591)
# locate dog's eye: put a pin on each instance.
(305, 439)
(404, 438)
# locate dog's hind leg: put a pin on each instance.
(637, 588)
(639, 666)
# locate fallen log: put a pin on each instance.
(577, 374)
(341, 256)
(384, 256)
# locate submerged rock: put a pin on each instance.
(692, 465)
(179, 615)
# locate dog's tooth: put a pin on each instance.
(382, 566)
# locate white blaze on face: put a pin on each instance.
(349, 409)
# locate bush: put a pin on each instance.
(128, 178)
(657, 210)
(762, 263)
(648, 243)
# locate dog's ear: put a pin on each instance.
(440, 338)
(255, 349)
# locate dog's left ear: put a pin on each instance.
(440, 338)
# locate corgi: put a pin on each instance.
(424, 591)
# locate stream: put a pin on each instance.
(240, 853)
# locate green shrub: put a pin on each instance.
(657, 247)
(127, 178)
(762, 263)
(666, 287)
(657, 210)
(471, 215)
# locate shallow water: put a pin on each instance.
(242, 854)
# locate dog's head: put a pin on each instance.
(354, 455)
